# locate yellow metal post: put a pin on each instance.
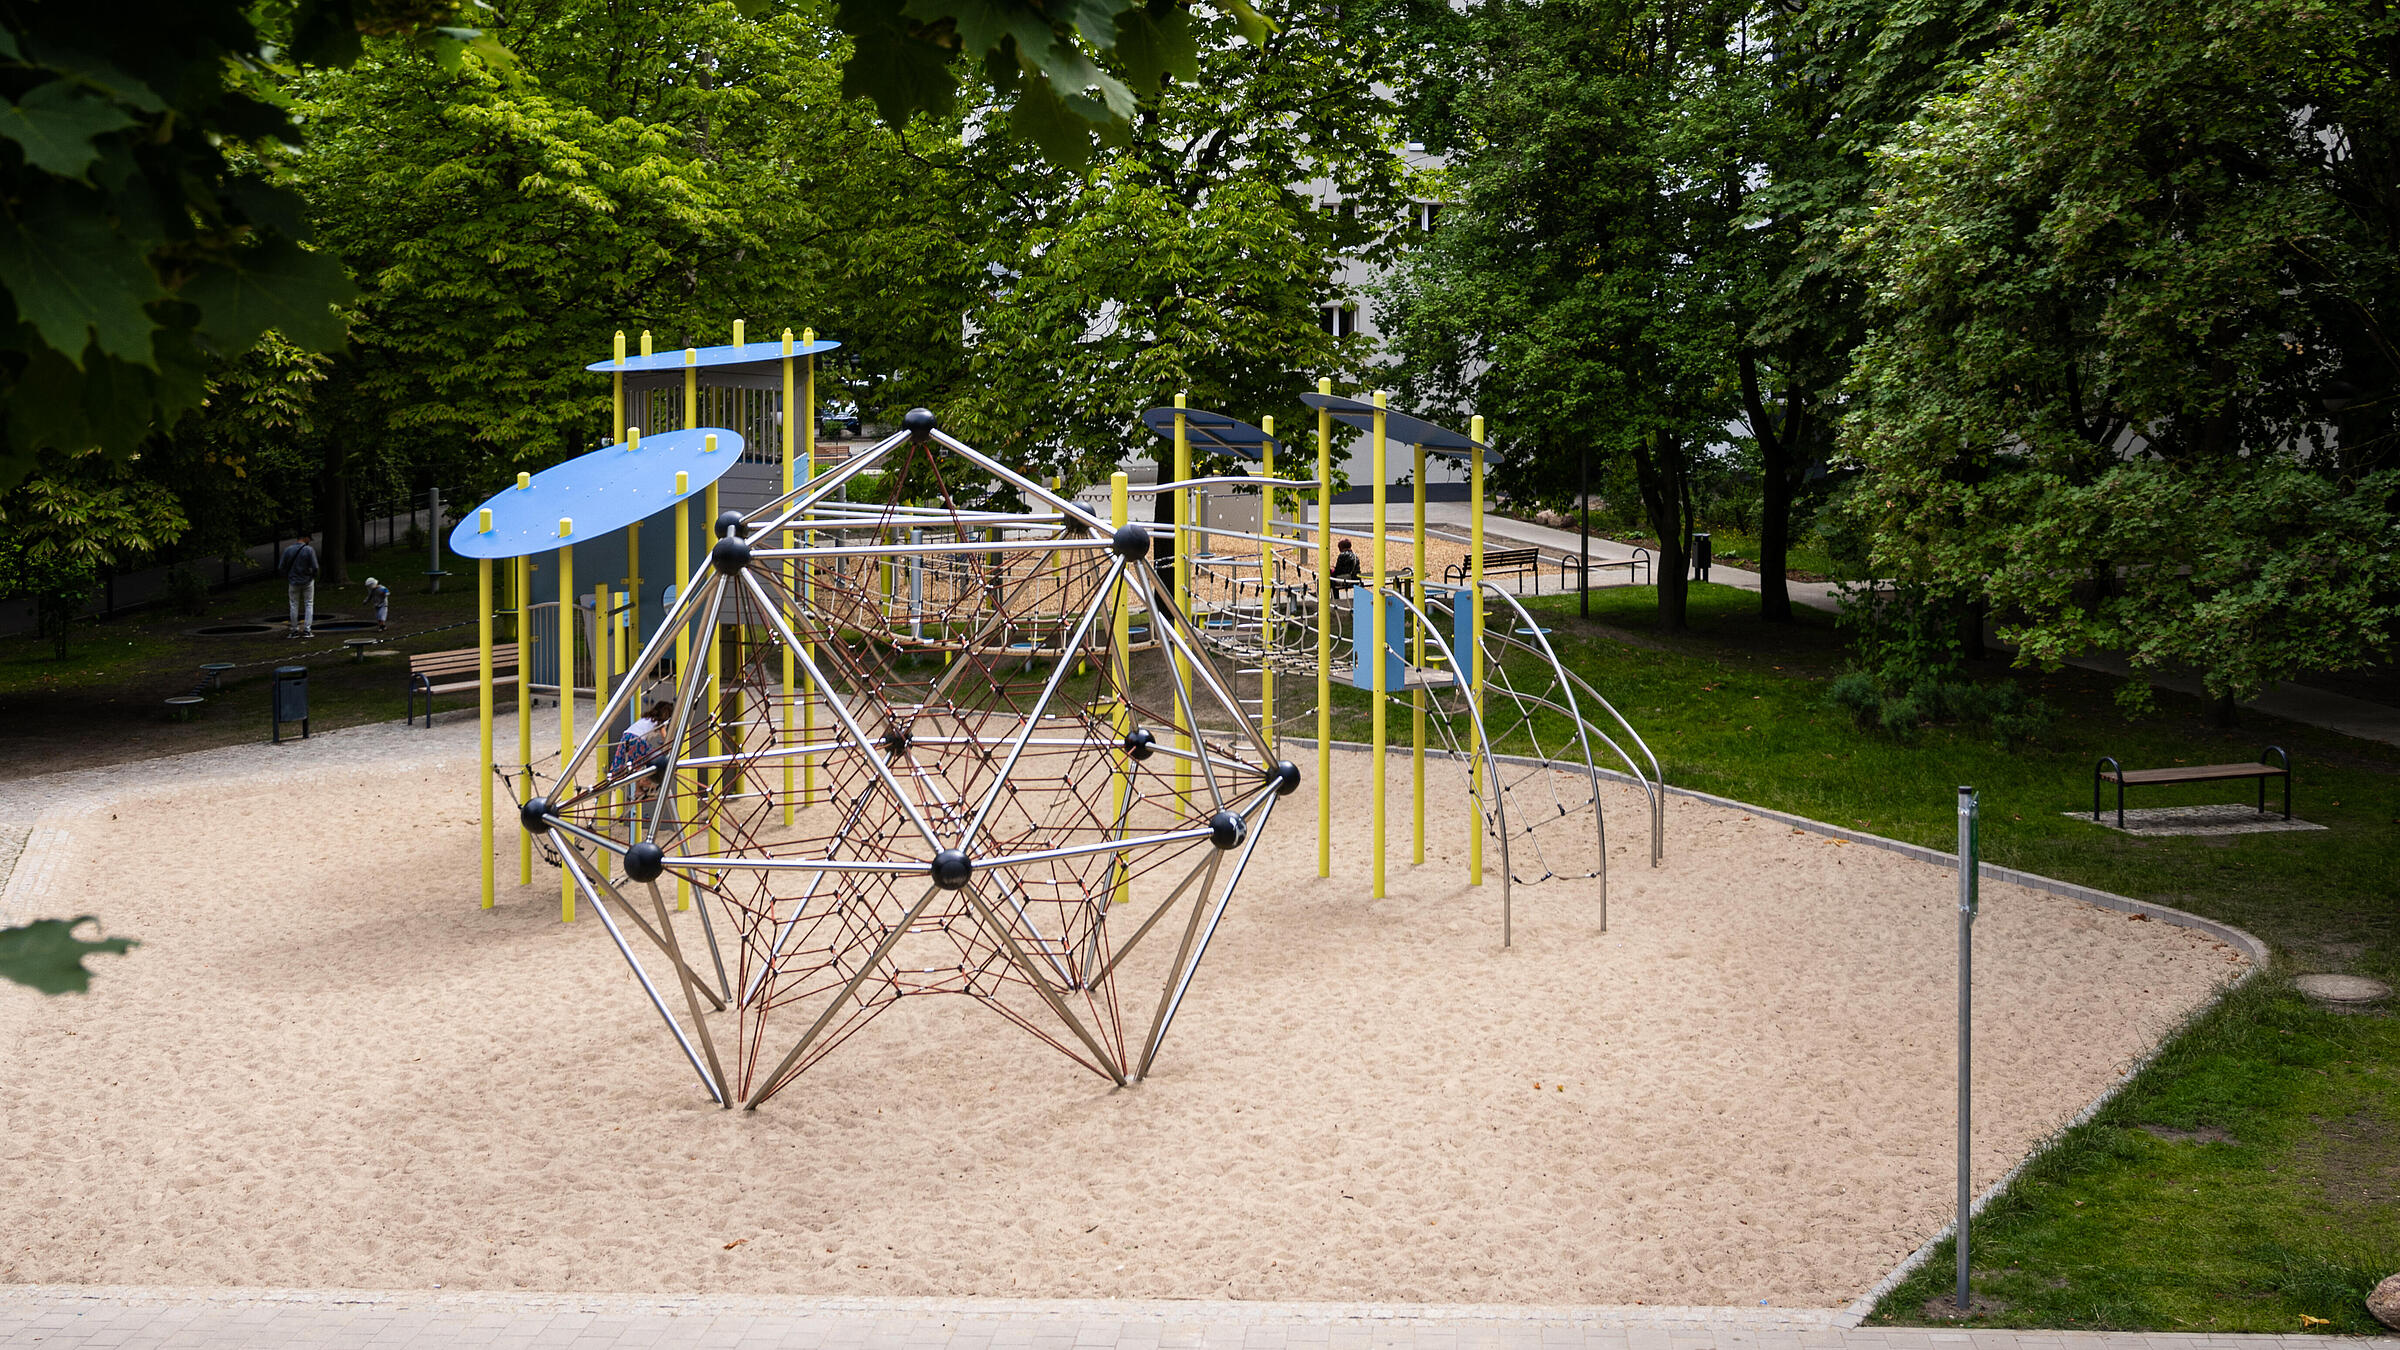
(1266, 590)
(683, 657)
(708, 640)
(808, 431)
(1475, 643)
(616, 381)
(1324, 634)
(1370, 645)
(1416, 661)
(560, 790)
(790, 449)
(483, 709)
(1184, 535)
(1121, 676)
(525, 696)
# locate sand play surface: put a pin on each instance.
(327, 1067)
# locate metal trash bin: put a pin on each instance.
(1700, 557)
(288, 696)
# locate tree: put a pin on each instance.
(142, 227)
(2130, 378)
(1832, 80)
(1196, 257)
(1581, 293)
(70, 520)
(666, 167)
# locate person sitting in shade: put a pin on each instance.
(1345, 565)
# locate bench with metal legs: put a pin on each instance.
(2109, 771)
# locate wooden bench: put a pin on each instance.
(2108, 771)
(449, 672)
(1513, 561)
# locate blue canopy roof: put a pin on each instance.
(749, 353)
(1399, 426)
(1211, 431)
(601, 492)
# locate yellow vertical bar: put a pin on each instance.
(683, 662)
(604, 640)
(791, 413)
(808, 430)
(633, 593)
(1121, 675)
(708, 640)
(1184, 535)
(1371, 645)
(560, 791)
(525, 707)
(1266, 590)
(1475, 643)
(1324, 634)
(1416, 697)
(483, 710)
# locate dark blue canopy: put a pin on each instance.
(1399, 426)
(1212, 431)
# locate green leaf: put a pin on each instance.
(1254, 25)
(1154, 46)
(55, 124)
(903, 74)
(273, 284)
(1042, 117)
(47, 956)
(77, 278)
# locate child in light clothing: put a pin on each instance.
(379, 599)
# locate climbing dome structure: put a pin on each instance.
(908, 755)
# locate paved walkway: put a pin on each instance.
(2292, 702)
(70, 1318)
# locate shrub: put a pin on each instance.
(186, 592)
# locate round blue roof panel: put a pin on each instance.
(601, 492)
(747, 354)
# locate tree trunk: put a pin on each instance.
(1662, 476)
(2224, 713)
(1971, 615)
(1775, 455)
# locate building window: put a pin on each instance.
(1426, 215)
(1339, 320)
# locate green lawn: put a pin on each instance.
(105, 702)
(2296, 1210)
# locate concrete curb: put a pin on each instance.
(1015, 1309)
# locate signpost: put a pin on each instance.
(1968, 866)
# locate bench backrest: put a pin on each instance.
(463, 661)
(1509, 556)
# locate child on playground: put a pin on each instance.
(379, 600)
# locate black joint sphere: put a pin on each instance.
(535, 815)
(1138, 743)
(1130, 541)
(729, 525)
(897, 740)
(1225, 829)
(731, 554)
(1287, 777)
(920, 422)
(644, 861)
(951, 868)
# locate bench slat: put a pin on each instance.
(2197, 773)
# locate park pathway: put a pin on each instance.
(2292, 702)
(58, 1318)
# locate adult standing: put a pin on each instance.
(299, 568)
